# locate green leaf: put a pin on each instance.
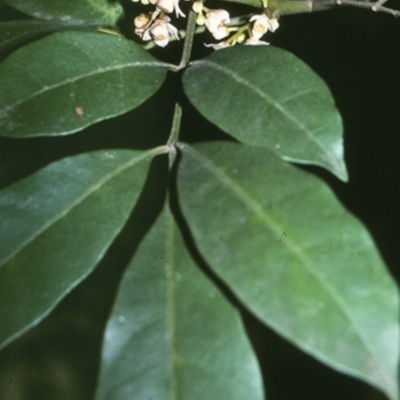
(15, 34)
(56, 225)
(92, 11)
(69, 80)
(294, 256)
(267, 97)
(171, 334)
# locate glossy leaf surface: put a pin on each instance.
(56, 225)
(15, 34)
(267, 97)
(91, 11)
(294, 256)
(171, 334)
(69, 80)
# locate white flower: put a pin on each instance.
(217, 46)
(263, 24)
(252, 41)
(260, 26)
(168, 6)
(160, 31)
(141, 23)
(274, 24)
(216, 21)
(145, 35)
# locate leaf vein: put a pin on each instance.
(171, 302)
(258, 209)
(90, 190)
(137, 64)
(286, 113)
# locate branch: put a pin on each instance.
(376, 6)
(284, 7)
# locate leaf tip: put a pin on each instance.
(341, 172)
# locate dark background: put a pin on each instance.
(357, 53)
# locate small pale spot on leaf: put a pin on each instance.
(79, 111)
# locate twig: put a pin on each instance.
(285, 7)
(174, 134)
(376, 6)
(187, 46)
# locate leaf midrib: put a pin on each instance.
(293, 248)
(90, 190)
(45, 88)
(171, 301)
(239, 79)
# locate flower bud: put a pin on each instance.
(197, 6)
(141, 21)
(241, 38)
(200, 20)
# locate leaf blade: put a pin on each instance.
(326, 290)
(267, 97)
(15, 34)
(70, 80)
(170, 327)
(56, 226)
(92, 11)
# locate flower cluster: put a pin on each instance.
(156, 25)
(218, 23)
(166, 6)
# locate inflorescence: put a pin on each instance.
(156, 26)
